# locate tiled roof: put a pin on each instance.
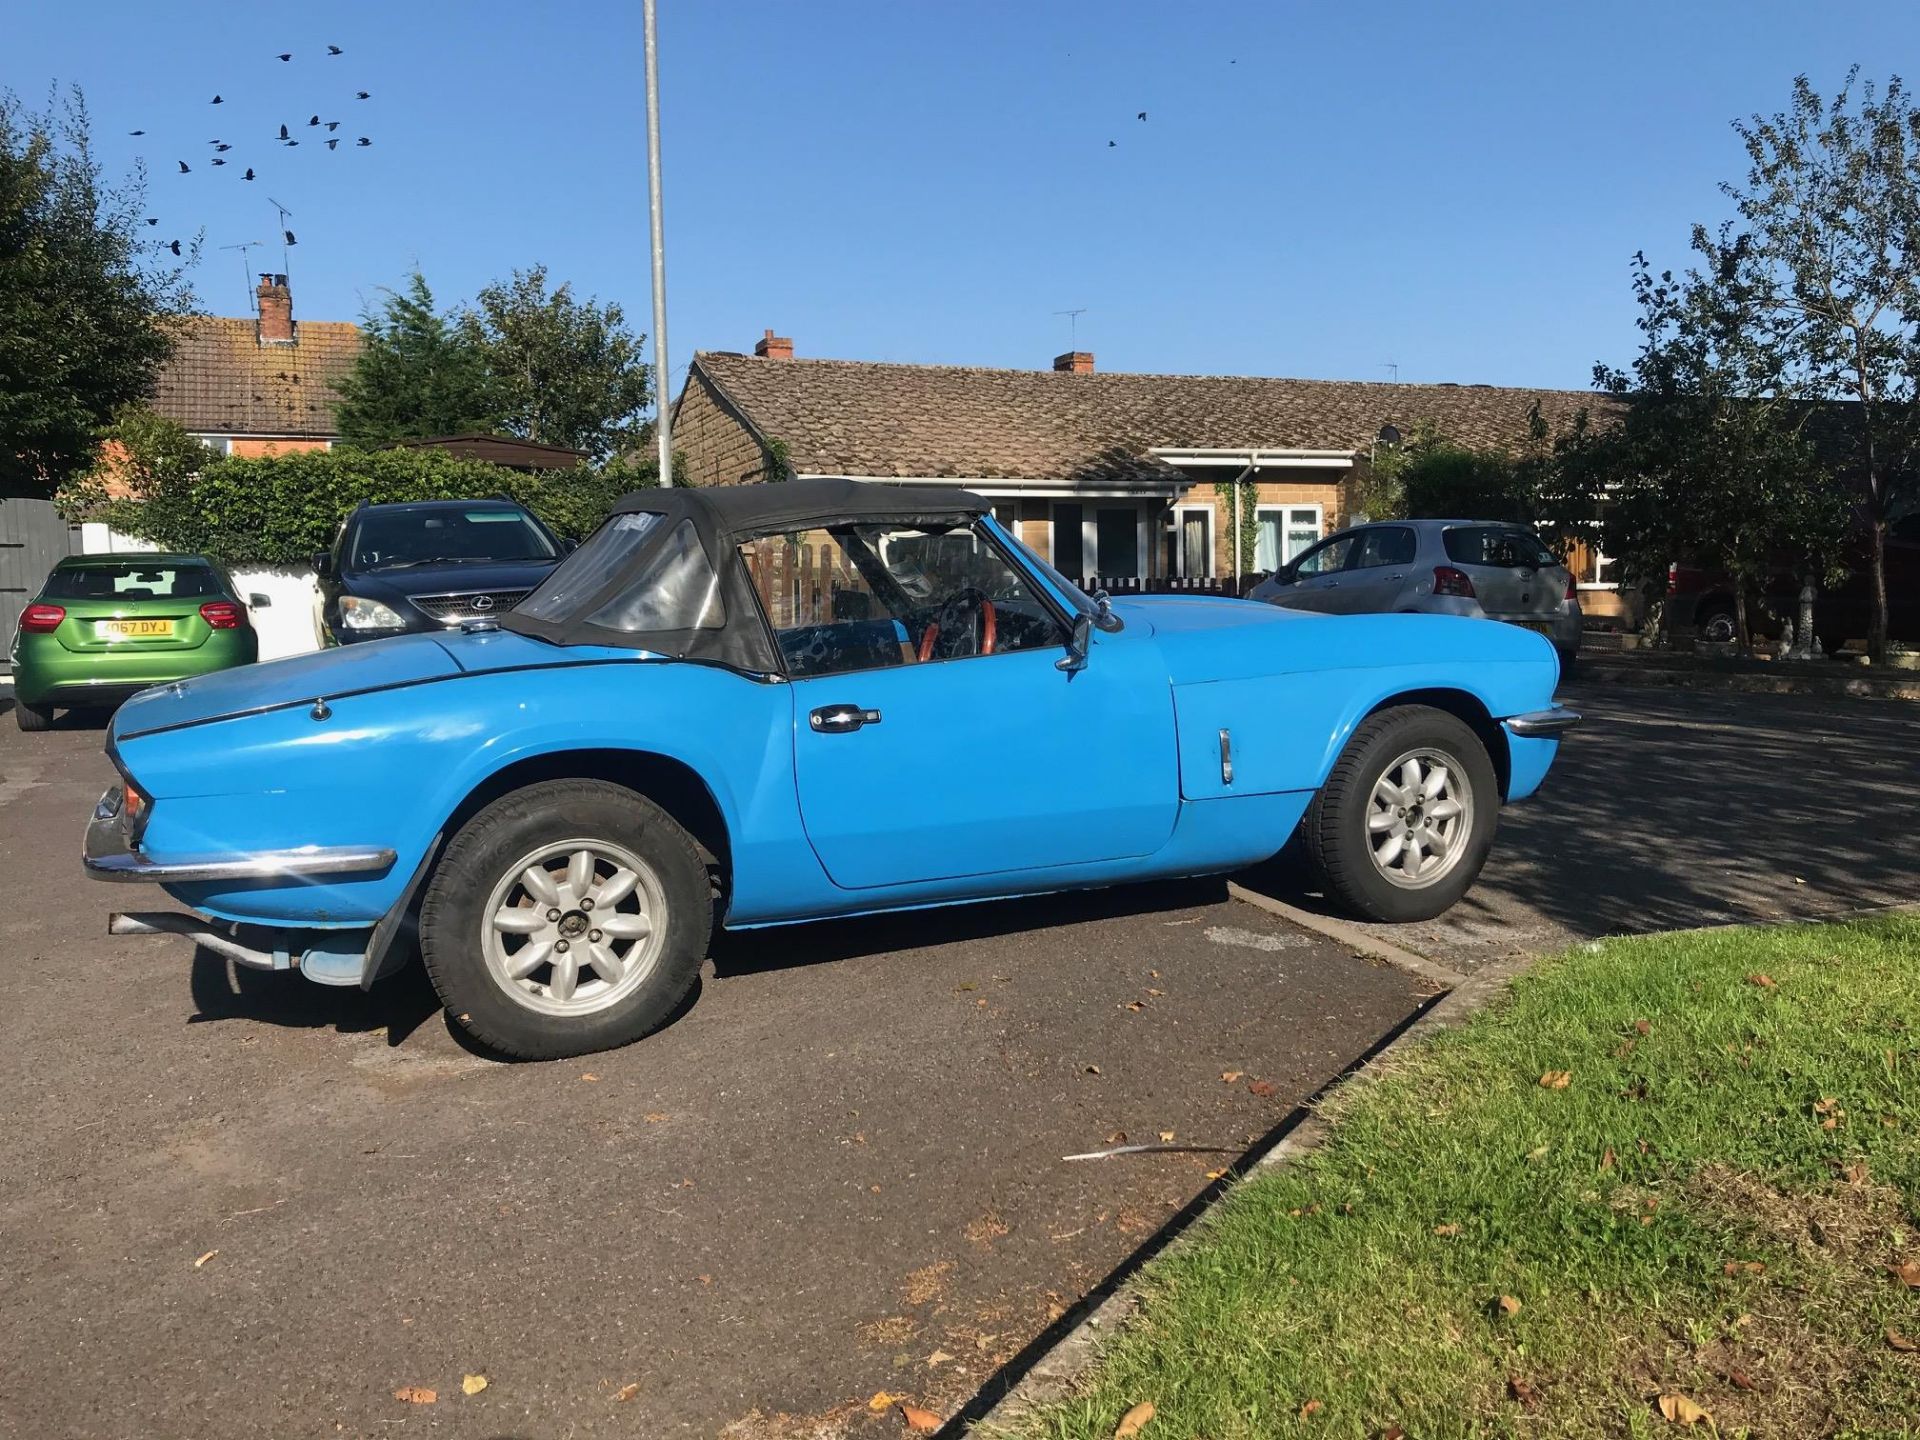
(222, 380)
(846, 417)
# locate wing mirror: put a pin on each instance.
(258, 601)
(323, 564)
(1075, 660)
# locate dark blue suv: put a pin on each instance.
(430, 564)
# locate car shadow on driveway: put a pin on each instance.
(221, 990)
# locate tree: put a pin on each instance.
(568, 372)
(1832, 201)
(1709, 461)
(139, 454)
(85, 298)
(419, 373)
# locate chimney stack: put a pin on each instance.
(276, 310)
(773, 347)
(1074, 362)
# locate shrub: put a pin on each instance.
(283, 509)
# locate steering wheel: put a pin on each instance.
(967, 611)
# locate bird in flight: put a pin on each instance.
(290, 239)
(362, 95)
(293, 144)
(218, 161)
(334, 143)
(183, 167)
(136, 132)
(220, 145)
(1113, 144)
(313, 120)
(175, 247)
(284, 56)
(1141, 116)
(332, 125)
(249, 174)
(283, 132)
(216, 101)
(363, 142)
(335, 50)
(153, 219)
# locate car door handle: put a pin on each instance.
(1396, 577)
(841, 719)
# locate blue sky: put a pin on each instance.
(1318, 190)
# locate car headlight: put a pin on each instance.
(359, 613)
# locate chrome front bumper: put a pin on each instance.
(1542, 724)
(108, 856)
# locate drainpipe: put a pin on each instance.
(1243, 475)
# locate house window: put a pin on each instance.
(1283, 531)
(1116, 541)
(1068, 549)
(1190, 541)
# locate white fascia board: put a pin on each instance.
(1172, 487)
(1259, 458)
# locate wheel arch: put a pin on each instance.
(1471, 711)
(670, 783)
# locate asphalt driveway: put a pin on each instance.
(234, 1205)
(1677, 808)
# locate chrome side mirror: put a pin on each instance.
(1103, 613)
(1075, 660)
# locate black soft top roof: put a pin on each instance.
(741, 510)
(720, 517)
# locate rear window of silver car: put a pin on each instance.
(1497, 545)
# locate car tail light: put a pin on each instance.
(1449, 581)
(1673, 578)
(40, 619)
(135, 810)
(1571, 592)
(223, 615)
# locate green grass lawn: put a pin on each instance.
(1714, 1206)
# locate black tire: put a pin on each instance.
(33, 718)
(1569, 661)
(1718, 623)
(457, 935)
(1335, 828)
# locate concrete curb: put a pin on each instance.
(1053, 1375)
(1873, 687)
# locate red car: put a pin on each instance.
(1700, 601)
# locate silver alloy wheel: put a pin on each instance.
(1419, 816)
(1720, 628)
(574, 927)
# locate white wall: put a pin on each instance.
(290, 625)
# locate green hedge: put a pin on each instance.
(282, 510)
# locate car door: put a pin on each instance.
(1319, 576)
(1377, 571)
(922, 758)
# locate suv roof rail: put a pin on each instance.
(364, 502)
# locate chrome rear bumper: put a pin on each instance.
(1542, 724)
(107, 856)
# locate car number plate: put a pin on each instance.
(132, 629)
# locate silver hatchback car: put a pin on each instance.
(1487, 569)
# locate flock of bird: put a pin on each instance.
(286, 139)
(1142, 118)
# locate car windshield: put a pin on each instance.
(169, 580)
(1496, 545)
(390, 539)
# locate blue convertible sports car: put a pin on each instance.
(772, 703)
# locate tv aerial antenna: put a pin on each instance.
(1073, 326)
(285, 215)
(246, 273)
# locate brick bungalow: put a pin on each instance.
(1123, 478)
(259, 386)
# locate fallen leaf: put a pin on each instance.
(654, 1117)
(1900, 1342)
(1393, 1432)
(1093, 1069)
(1765, 982)
(1155, 994)
(1265, 1089)
(984, 1342)
(1827, 1105)
(1312, 1407)
(472, 1384)
(1641, 1027)
(1679, 1410)
(1522, 1391)
(1739, 1378)
(1509, 1305)
(1742, 1267)
(1231, 1077)
(589, 1076)
(1136, 1006)
(1134, 1421)
(1606, 1160)
(882, 1401)
(918, 1419)
(1556, 1080)
(1537, 1152)
(938, 1357)
(416, 1395)
(204, 1258)
(1448, 1231)
(1856, 1173)
(1119, 1137)
(1166, 1137)
(706, 1279)
(1907, 1272)
(627, 1392)
(1215, 1174)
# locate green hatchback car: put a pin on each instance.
(104, 626)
